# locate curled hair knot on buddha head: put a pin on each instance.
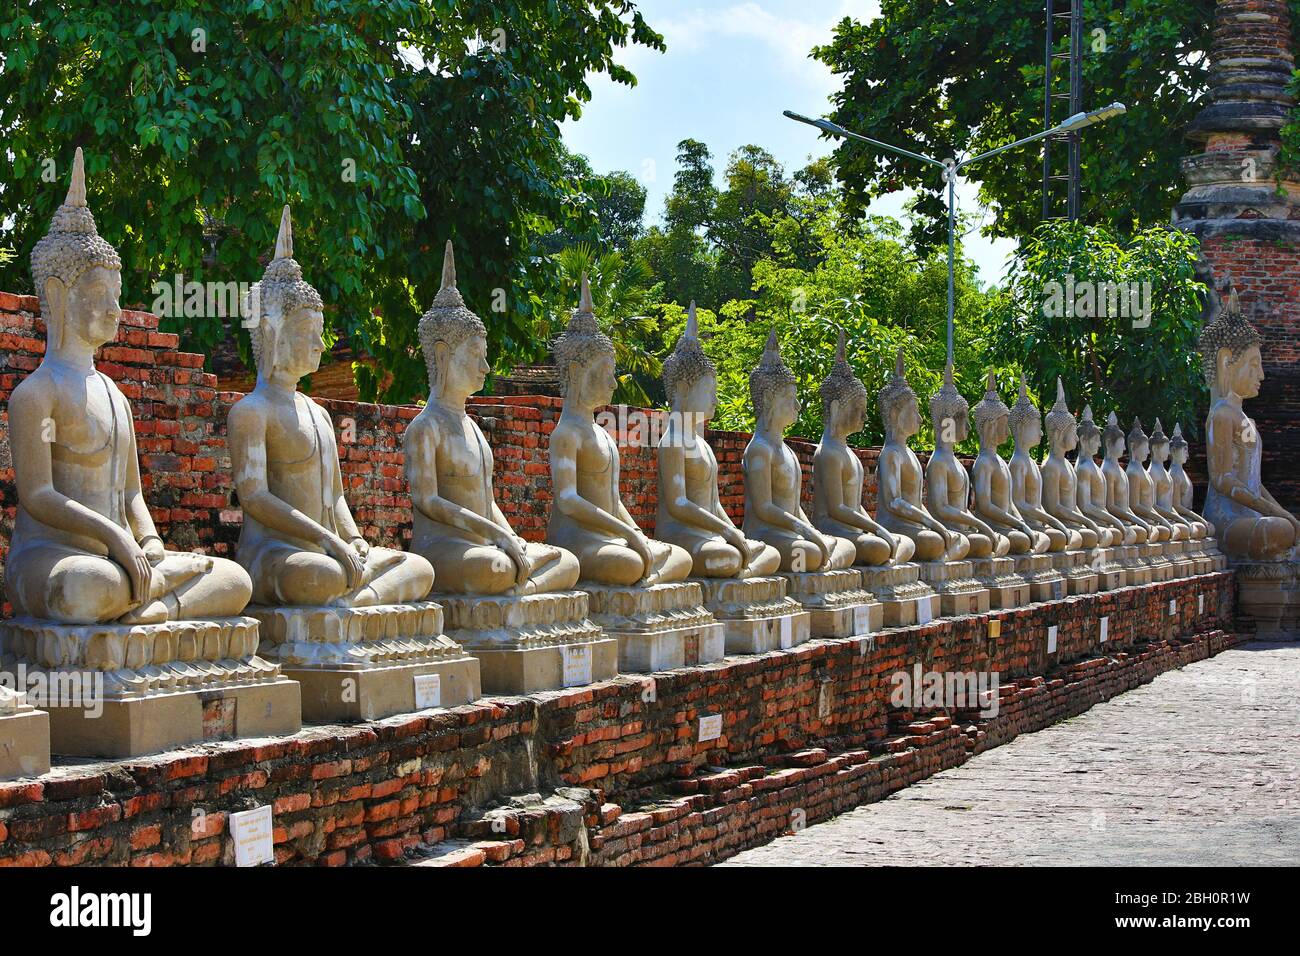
(687, 364)
(897, 392)
(448, 320)
(1023, 411)
(842, 384)
(1229, 330)
(582, 341)
(947, 404)
(990, 407)
(770, 375)
(281, 291)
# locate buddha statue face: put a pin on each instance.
(701, 398)
(994, 432)
(462, 370)
(782, 407)
(1178, 454)
(1030, 432)
(849, 414)
(1160, 452)
(88, 308)
(906, 418)
(1115, 446)
(1243, 374)
(299, 342)
(1066, 438)
(1088, 445)
(1139, 449)
(594, 383)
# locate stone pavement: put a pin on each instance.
(1199, 767)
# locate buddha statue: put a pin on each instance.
(947, 481)
(1141, 487)
(84, 547)
(1248, 521)
(458, 527)
(299, 542)
(1163, 485)
(838, 473)
(1182, 495)
(1118, 496)
(690, 513)
(992, 478)
(588, 516)
(1060, 491)
(774, 480)
(1026, 423)
(1091, 487)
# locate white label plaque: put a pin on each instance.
(428, 691)
(1200, 604)
(577, 664)
(862, 619)
(251, 831)
(710, 727)
(1173, 606)
(924, 611)
(1105, 628)
(1051, 639)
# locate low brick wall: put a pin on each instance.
(615, 772)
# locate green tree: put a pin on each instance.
(677, 251)
(614, 214)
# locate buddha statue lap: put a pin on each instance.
(1090, 492)
(1132, 555)
(1205, 546)
(1183, 537)
(1063, 554)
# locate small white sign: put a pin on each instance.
(577, 664)
(862, 619)
(924, 611)
(428, 691)
(865, 644)
(787, 631)
(1105, 629)
(251, 831)
(710, 727)
(1200, 604)
(1173, 606)
(1051, 639)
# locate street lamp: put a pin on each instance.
(951, 168)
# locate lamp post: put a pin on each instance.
(952, 167)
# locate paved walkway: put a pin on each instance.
(1200, 767)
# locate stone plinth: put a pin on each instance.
(755, 614)
(837, 603)
(1269, 593)
(24, 737)
(1137, 570)
(118, 690)
(905, 599)
(1045, 582)
(658, 628)
(1156, 554)
(1180, 556)
(1110, 574)
(1006, 588)
(959, 592)
(1080, 576)
(367, 663)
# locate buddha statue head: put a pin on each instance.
(690, 377)
(992, 417)
(584, 356)
(285, 315)
(898, 405)
(1230, 352)
(1178, 446)
(1026, 420)
(949, 412)
(78, 276)
(844, 397)
(1062, 427)
(453, 340)
(772, 388)
(1139, 446)
(1089, 436)
(1159, 444)
(1113, 437)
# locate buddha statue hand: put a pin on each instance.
(135, 561)
(516, 550)
(349, 556)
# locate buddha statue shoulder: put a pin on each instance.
(689, 511)
(1163, 487)
(1247, 519)
(1026, 423)
(1118, 495)
(1060, 488)
(84, 548)
(1091, 487)
(299, 542)
(458, 526)
(774, 512)
(991, 477)
(1183, 494)
(588, 516)
(947, 482)
(838, 472)
(1141, 486)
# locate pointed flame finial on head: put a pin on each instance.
(899, 370)
(841, 354)
(284, 239)
(1060, 390)
(1024, 389)
(77, 188)
(947, 374)
(584, 301)
(448, 268)
(1112, 419)
(692, 323)
(1087, 413)
(773, 343)
(991, 382)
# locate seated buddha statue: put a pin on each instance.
(1060, 483)
(458, 526)
(899, 504)
(1141, 488)
(84, 548)
(991, 477)
(1118, 496)
(1158, 469)
(588, 516)
(774, 480)
(1183, 495)
(1248, 521)
(690, 512)
(299, 542)
(838, 473)
(1092, 487)
(1026, 423)
(947, 483)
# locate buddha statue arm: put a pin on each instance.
(578, 509)
(758, 498)
(889, 476)
(29, 411)
(1222, 462)
(940, 504)
(831, 476)
(1005, 516)
(137, 510)
(425, 499)
(672, 484)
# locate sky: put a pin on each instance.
(730, 69)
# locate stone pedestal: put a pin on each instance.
(1045, 582)
(1006, 588)
(530, 643)
(1137, 571)
(657, 628)
(367, 663)
(1080, 577)
(24, 737)
(1268, 593)
(1156, 555)
(837, 603)
(904, 598)
(1104, 562)
(117, 690)
(959, 592)
(1180, 555)
(755, 614)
